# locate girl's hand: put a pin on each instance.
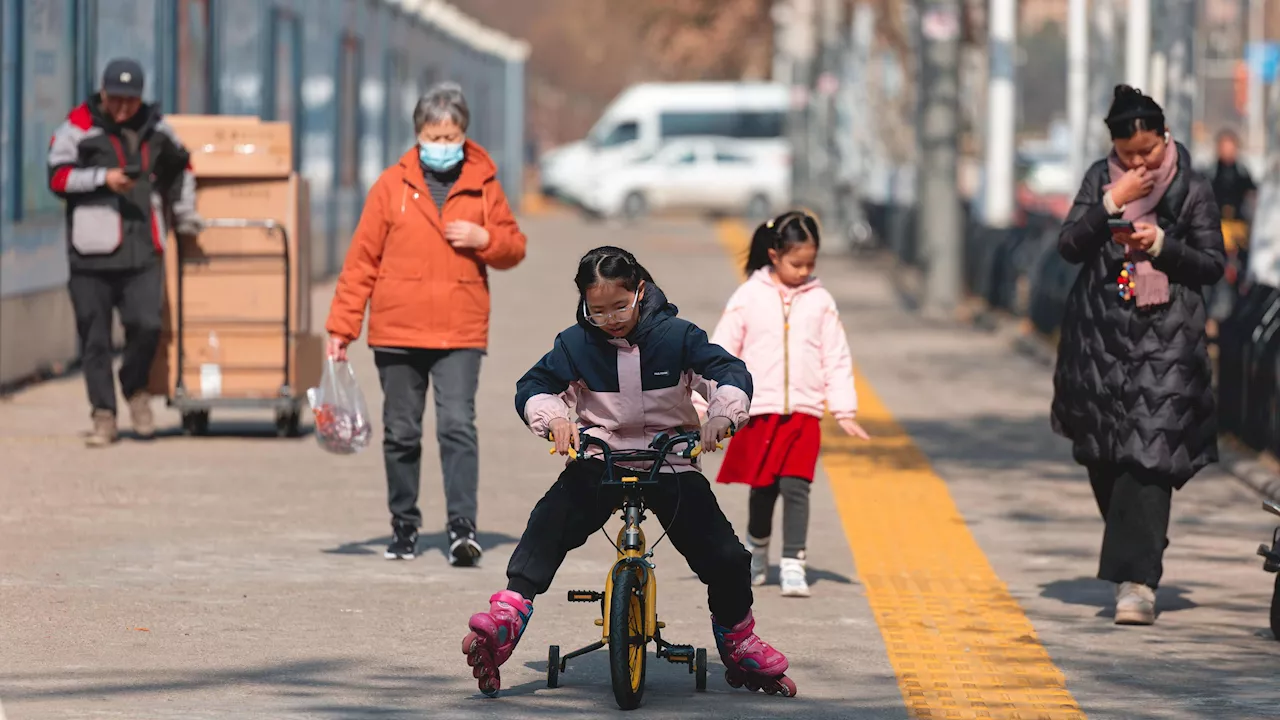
(565, 436)
(851, 427)
(463, 235)
(715, 430)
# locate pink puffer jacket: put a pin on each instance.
(793, 343)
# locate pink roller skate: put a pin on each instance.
(494, 636)
(750, 661)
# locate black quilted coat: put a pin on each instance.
(1134, 386)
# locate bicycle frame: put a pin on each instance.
(632, 547)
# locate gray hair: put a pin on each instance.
(443, 103)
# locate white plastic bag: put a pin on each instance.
(342, 417)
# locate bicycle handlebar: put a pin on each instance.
(660, 447)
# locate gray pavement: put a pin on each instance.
(240, 575)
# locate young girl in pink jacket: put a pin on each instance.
(786, 328)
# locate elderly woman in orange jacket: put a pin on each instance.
(432, 226)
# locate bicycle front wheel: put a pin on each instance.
(627, 641)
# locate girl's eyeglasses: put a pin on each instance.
(602, 319)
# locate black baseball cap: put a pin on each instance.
(123, 78)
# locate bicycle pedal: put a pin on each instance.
(585, 596)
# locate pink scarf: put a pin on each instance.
(1151, 287)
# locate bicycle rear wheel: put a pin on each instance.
(628, 646)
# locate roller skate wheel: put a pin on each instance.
(469, 644)
(734, 680)
(785, 686)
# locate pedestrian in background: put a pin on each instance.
(785, 326)
(116, 163)
(1133, 388)
(432, 226)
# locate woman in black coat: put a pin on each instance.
(1133, 386)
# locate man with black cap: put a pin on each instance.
(119, 167)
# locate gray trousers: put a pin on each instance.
(405, 377)
(795, 513)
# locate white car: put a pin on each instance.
(709, 175)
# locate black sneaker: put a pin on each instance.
(405, 543)
(464, 551)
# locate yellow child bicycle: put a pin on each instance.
(628, 605)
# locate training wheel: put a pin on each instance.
(553, 666)
(700, 669)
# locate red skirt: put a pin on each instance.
(771, 446)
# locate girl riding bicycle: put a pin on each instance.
(628, 368)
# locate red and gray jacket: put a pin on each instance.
(107, 231)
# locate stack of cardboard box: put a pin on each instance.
(233, 309)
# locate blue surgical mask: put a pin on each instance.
(440, 156)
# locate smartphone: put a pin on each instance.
(1120, 225)
(133, 172)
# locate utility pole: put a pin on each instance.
(1257, 116)
(1137, 46)
(1078, 84)
(1178, 20)
(798, 18)
(1002, 114)
(1103, 74)
(939, 231)
(826, 84)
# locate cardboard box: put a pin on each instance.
(250, 362)
(287, 202)
(229, 146)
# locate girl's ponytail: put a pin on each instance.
(758, 256)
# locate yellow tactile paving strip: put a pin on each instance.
(960, 644)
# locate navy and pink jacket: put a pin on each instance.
(627, 390)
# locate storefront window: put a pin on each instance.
(127, 30)
(47, 85)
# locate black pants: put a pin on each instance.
(795, 513)
(577, 506)
(138, 295)
(405, 377)
(1135, 505)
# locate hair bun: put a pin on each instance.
(1123, 90)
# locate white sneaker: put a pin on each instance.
(794, 583)
(759, 560)
(1135, 604)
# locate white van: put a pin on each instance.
(644, 116)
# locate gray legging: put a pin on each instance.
(795, 513)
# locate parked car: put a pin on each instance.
(711, 175)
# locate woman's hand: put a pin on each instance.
(464, 235)
(851, 427)
(715, 430)
(565, 436)
(1132, 185)
(337, 349)
(1143, 236)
